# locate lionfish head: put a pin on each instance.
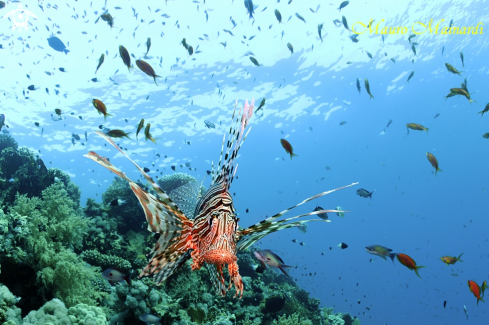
(218, 236)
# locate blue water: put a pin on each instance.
(412, 211)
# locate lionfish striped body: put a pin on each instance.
(210, 234)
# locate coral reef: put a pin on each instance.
(130, 215)
(24, 173)
(293, 319)
(337, 319)
(7, 141)
(96, 258)
(55, 312)
(8, 310)
(41, 235)
(55, 253)
(127, 303)
(170, 182)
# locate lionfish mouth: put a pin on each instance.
(219, 256)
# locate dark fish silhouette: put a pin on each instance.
(364, 193)
(146, 68)
(57, 44)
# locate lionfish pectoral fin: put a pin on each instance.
(107, 164)
(163, 265)
(217, 279)
(249, 236)
(162, 195)
(235, 278)
(163, 217)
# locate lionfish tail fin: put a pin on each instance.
(226, 168)
(163, 217)
(250, 235)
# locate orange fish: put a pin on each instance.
(146, 68)
(100, 107)
(451, 260)
(288, 147)
(433, 161)
(476, 290)
(409, 263)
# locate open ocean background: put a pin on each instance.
(308, 93)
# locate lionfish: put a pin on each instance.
(210, 234)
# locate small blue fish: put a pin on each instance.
(57, 45)
(209, 124)
(300, 17)
(249, 6)
(2, 121)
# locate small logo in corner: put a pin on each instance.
(20, 17)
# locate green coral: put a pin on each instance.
(52, 218)
(96, 258)
(63, 274)
(189, 285)
(163, 304)
(197, 313)
(71, 188)
(55, 312)
(24, 173)
(83, 314)
(7, 141)
(102, 232)
(43, 234)
(293, 319)
(170, 182)
(8, 311)
(329, 318)
(130, 215)
(138, 244)
(127, 303)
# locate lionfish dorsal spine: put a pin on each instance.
(214, 173)
(226, 169)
